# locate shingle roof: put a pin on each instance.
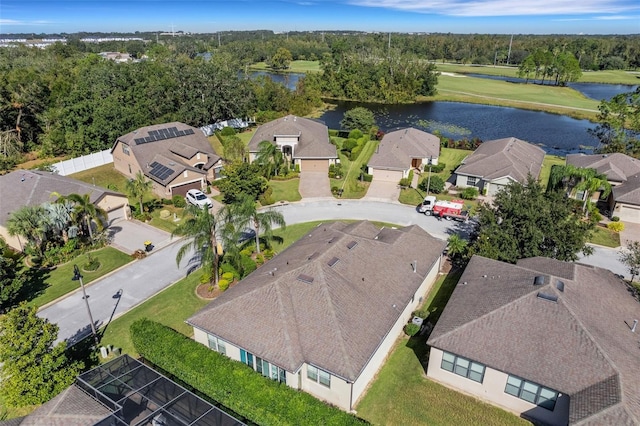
(398, 148)
(580, 345)
(33, 187)
(337, 321)
(183, 142)
(313, 136)
(504, 157)
(617, 167)
(628, 192)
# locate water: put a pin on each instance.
(289, 80)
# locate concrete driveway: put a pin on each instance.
(380, 190)
(314, 185)
(630, 233)
(130, 235)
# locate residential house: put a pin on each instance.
(555, 342)
(303, 142)
(322, 315)
(623, 173)
(401, 151)
(174, 156)
(33, 187)
(497, 163)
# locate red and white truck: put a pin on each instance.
(444, 209)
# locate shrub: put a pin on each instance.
(226, 268)
(268, 253)
(231, 383)
(616, 226)
(410, 177)
(470, 193)
(229, 276)
(436, 168)
(259, 259)
(411, 329)
(205, 277)
(615, 219)
(405, 183)
(436, 184)
(266, 198)
(355, 134)
(167, 201)
(179, 201)
(248, 265)
(92, 263)
(349, 144)
(366, 177)
(228, 131)
(223, 284)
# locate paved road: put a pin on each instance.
(144, 278)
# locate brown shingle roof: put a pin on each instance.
(398, 148)
(33, 187)
(580, 345)
(629, 191)
(314, 136)
(617, 167)
(504, 157)
(337, 321)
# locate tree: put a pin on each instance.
(234, 148)
(239, 179)
(139, 187)
(587, 180)
(358, 118)
(619, 128)
(33, 369)
(436, 184)
(269, 158)
(200, 228)
(31, 222)
(631, 258)
(457, 248)
(85, 212)
(59, 217)
(261, 220)
(11, 282)
(524, 221)
(281, 59)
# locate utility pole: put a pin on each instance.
(77, 276)
(509, 53)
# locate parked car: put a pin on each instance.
(198, 198)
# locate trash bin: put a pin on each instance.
(148, 246)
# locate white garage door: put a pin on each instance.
(628, 213)
(116, 215)
(315, 166)
(494, 189)
(387, 175)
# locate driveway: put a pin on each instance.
(630, 233)
(130, 235)
(314, 185)
(380, 190)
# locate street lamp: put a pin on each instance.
(429, 178)
(78, 277)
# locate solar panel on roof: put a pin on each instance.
(154, 164)
(139, 140)
(153, 132)
(189, 132)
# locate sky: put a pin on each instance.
(210, 16)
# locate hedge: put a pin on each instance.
(231, 383)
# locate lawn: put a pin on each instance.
(548, 162)
(350, 184)
(402, 395)
(605, 237)
(105, 176)
(57, 282)
(169, 223)
(285, 190)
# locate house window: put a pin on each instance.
(472, 180)
(462, 367)
(318, 375)
(185, 174)
(125, 149)
(580, 195)
(217, 345)
(263, 367)
(531, 392)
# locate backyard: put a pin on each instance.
(350, 183)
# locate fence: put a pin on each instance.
(85, 162)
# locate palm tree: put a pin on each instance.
(201, 228)
(456, 247)
(248, 213)
(591, 182)
(31, 222)
(84, 211)
(269, 157)
(580, 179)
(139, 187)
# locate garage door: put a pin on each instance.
(116, 215)
(182, 189)
(628, 214)
(387, 175)
(315, 166)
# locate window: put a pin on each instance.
(531, 392)
(217, 345)
(263, 367)
(580, 195)
(125, 149)
(462, 367)
(319, 376)
(472, 180)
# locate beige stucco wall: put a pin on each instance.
(14, 242)
(111, 202)
(492, 390)
(122, 162)
(497, 184)
(434, 161)
(338, 394)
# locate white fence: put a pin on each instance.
(85, 162)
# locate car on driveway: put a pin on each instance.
(198, 198)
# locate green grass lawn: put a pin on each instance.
(350, 183)
(605, 237)
(58, 282)
(216, 145)
(105, 176)
(168, 224)
(402, 395)
(548, 162)
(285, 190)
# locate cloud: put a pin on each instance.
(22, 23)
(471, 8)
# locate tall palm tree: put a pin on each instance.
(139, 187)
(269, 157)
(31, 222)
(201, 228)
(85, 212)
(591, 182)
(262, 220)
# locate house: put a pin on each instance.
(174, 156)
(401, 151)
(33, 187)
(555, 342)
(623, 173)
(303, 142)
(322, 315)
(497, 163)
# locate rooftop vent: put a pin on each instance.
(352, 244)
(312, 255)
(549, 297)
(538, 280)
(331, 240)
(333, 261)
(305, 278)
(560, 285)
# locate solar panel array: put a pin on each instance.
(160, 171)
(162, 134)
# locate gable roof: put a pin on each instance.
(167, 146)
(313, 136)
(617, 167)
(34, 187)
(398, 148)
(581, 344)
(328, 300)
(509, 157)
(628, 192)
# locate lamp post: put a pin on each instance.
(429, 178)
(78, 277)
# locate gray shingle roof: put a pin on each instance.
(33, 187)
(629, 191)
(398, 148)
(504, 157)
(617, 167)
(337, 321)
(580, 345)
(314, 136)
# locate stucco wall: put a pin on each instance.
(111, 202)
(338, 394)
(14, 242)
